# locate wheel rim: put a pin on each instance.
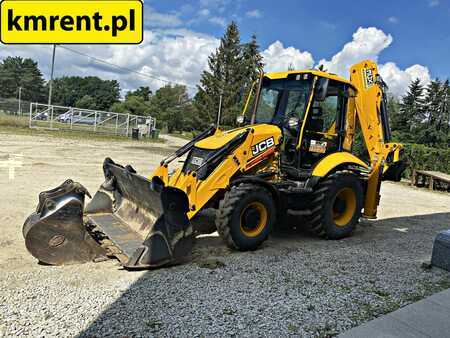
(253, 219)
(344, 206)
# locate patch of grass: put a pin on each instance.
(155, 325)
(381, 293)
(69, 134)
(368, 311)
(13, 120)
(229, 311)
(292, 328)
(211, 264)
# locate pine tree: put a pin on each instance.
(15, 73)
(432, 133)
(407, 122)
(232, 68)
(446, 112)
(252, 61)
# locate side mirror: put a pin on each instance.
(321, 89)
(240, 119)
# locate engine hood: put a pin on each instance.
(221, 138)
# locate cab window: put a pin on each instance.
(324, 114)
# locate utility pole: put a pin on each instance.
(50, 87)
(20, 97)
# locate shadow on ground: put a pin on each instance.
(295, 284)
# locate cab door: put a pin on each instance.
(324, 128)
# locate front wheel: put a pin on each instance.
(245, 216)
(336, 206)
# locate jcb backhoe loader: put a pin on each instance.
(291, 154)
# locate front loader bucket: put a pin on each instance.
(141, 222)
(145, 221)
(55, 233)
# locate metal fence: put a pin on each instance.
(71, 118)
(14, 106)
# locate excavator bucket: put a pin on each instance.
(139, 221)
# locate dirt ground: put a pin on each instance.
(48, 161)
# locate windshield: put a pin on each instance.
(283, 98)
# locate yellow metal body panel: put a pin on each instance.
(219, 139)
(367, 104)
(328, 163)
(364, 76)
(242, 159)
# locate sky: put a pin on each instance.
(408, 39)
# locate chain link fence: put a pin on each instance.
(53, 117)
(14, 106)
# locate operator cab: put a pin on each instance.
(310, 109)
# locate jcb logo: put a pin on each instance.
(368, 77)
(262, 146)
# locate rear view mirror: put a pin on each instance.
(321, 89)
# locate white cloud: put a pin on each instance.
(398, 80)
(204, 12)
(278, 58)
(433, 3)
(217, 20)
(367, 43)
(216, 5)
(328, 25)
(180, 55)
(393, 19)
(256, 13)
(175, 55)
(156, 19)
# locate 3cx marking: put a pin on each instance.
(262, 146)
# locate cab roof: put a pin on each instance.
(283, 75)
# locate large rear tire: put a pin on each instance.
(245, 216)
(336, 206)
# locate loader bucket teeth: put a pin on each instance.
(55, 233)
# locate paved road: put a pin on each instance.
(429, 317)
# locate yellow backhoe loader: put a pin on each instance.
(293, 153)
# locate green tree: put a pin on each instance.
(407, 120)
(143, 92)
(15, 73)
(86, 102)
(171, 107)
(435, 132)
(252, 61)
(134, 105)
(231, 70)
(68, 90)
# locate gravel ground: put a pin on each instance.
(294, 285)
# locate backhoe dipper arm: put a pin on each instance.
(371, 112)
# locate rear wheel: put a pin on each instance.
(336, 206)
(245, 216)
